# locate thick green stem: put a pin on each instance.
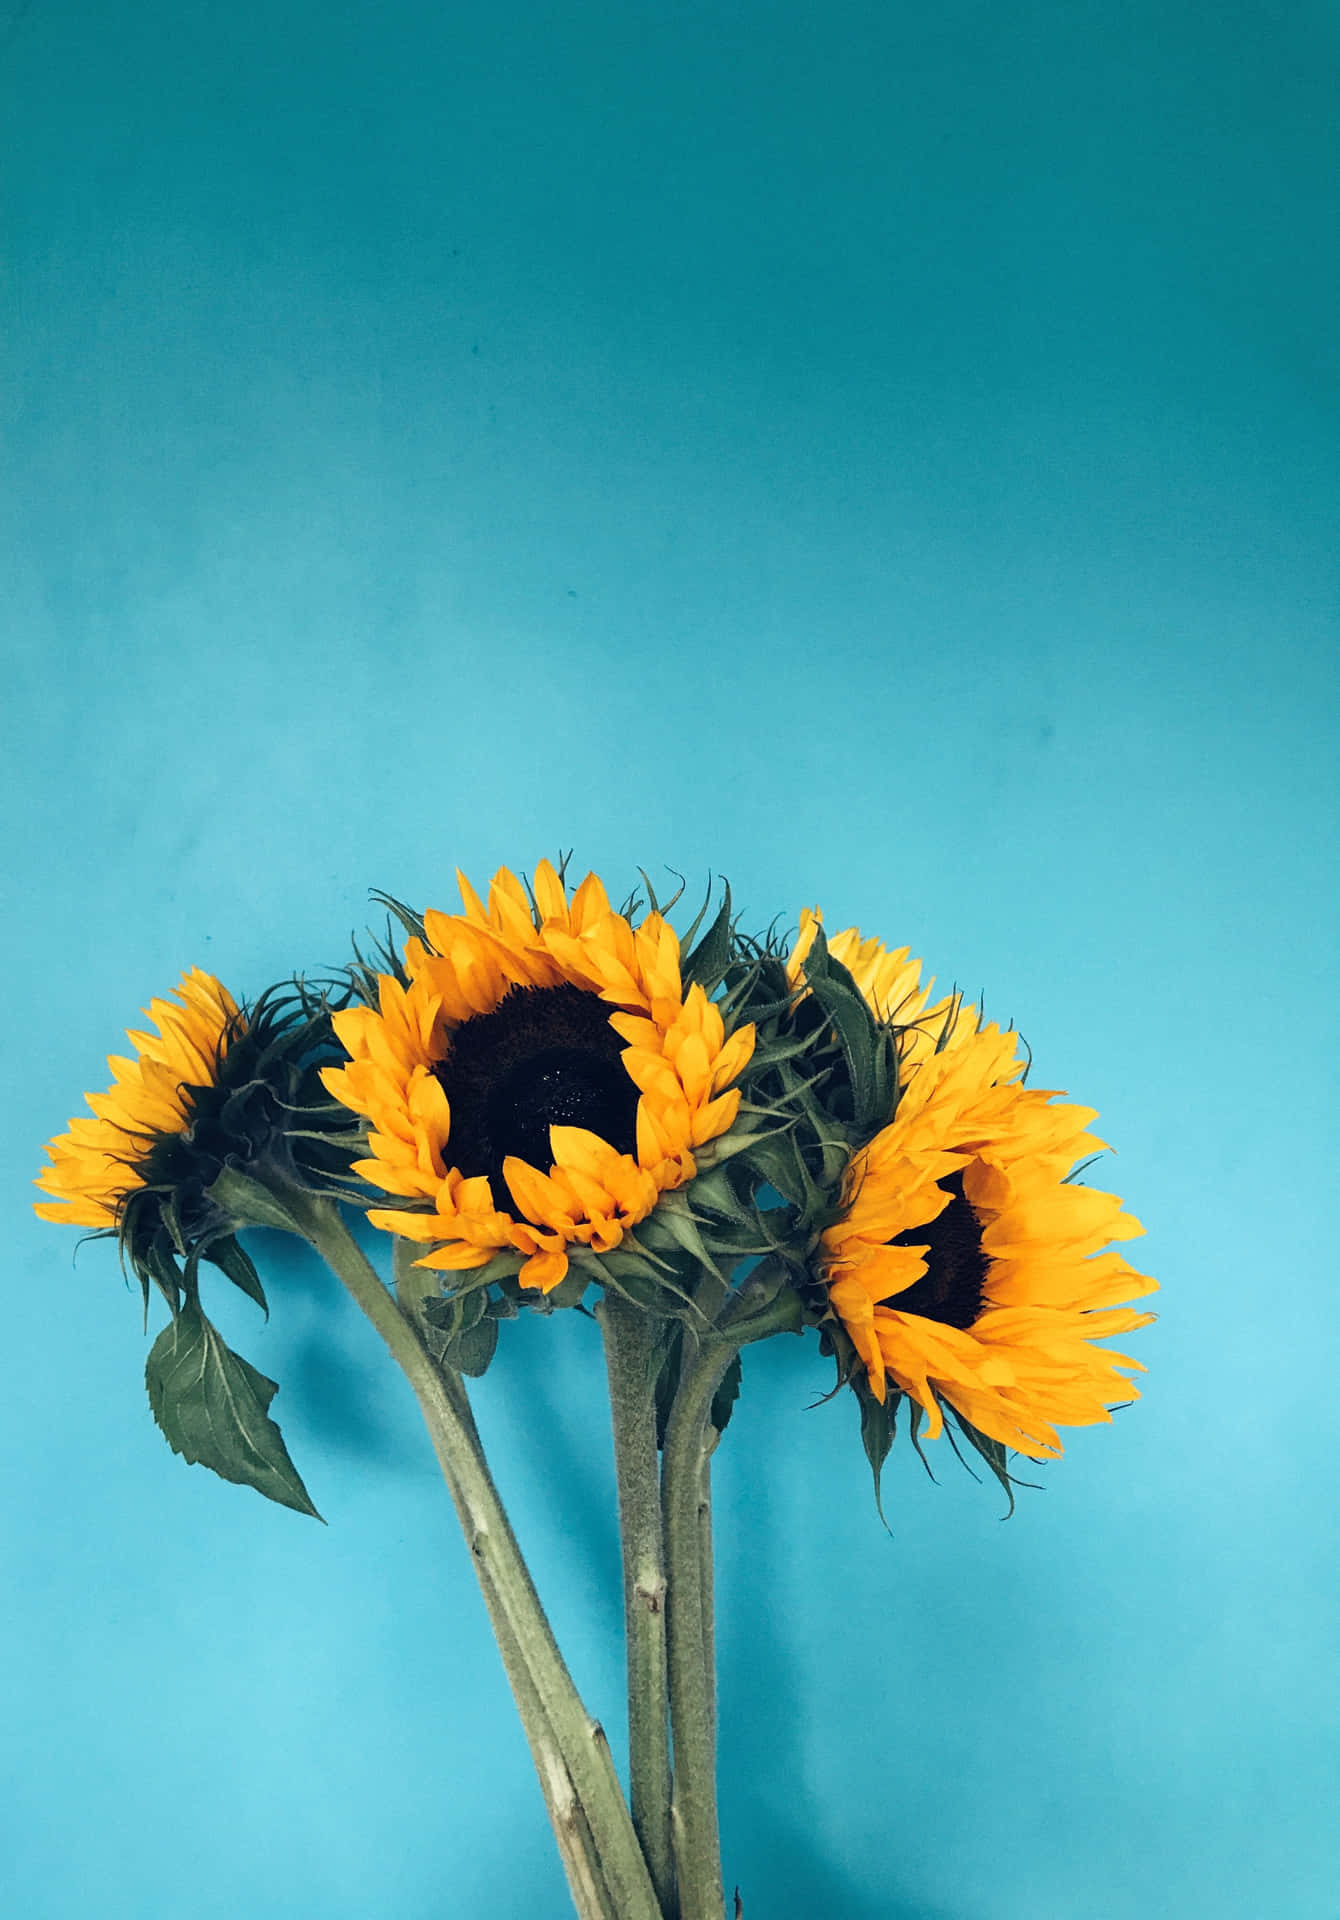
(502, 1572)
(706, 1572)
(692, 1683)
(630, 1335)
(686, 1507)
(567, 1816)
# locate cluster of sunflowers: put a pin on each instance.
(547, 1102)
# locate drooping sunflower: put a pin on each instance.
(217, 1122)
(540, 1078)
(101, 1162)
(219, 1085)
(968, 1269)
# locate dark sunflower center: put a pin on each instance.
(545, 1057)
(954, 1284)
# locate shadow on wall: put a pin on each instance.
(337, 1380)
(550, 1422)
(757, 1659)
(542, 1405)
(545, 1410)
(803, 1885)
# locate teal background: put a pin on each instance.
(884, 454)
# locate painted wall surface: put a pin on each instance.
(884, 454)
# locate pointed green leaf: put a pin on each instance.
(995, 1455)
(253, 1204)
(879, 1419)
(473, 1348)
(212, 1405)
(714, 1193)
(667, 1378)
(569, 1292)
(157, 1258)
(772, 1053)
(676, 1216)
(725, 1147)
(916, 1415)
(710, 958)
(638, 1284)
(228, 1256)
(776, 1309)
(723, 1400)
(854, 1025)
(777, 1159)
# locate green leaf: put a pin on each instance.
(212, 1405)
(992, 1452)
(503, 1266)
(667, 1377)
(708, 961)
(454, 1313)
(879, 1420)
(775, 1052)
(569, 1292)
(778, 1305)
(251, 1204)
(725, 1147)
(723, 1400)
(460, 1331)
(228, 1256)
(639, 1286)
(157, 1258)
(864, 1047)
(472, 1350)
(676, 1215)
(714, 1193)
(777, 1159)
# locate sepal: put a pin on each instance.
(461, 1332)
(867, 1045)
(247, 1202)
(706, 964)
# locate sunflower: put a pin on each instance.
(100, 1163)
(968, 1268)
(539, 1078)
(889, 981)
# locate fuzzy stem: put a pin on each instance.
(706, 1573)
(629, 1340)
(692, 1685)
(567, 1816)
(502, 1572)
(685, 1502)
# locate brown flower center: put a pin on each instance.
(953, 1287)
(544, 1057)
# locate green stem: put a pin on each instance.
(567, 1816)
(687, 1515)
(696, 1836)
(706, 1572)
(630, 1336)
(501, 1570)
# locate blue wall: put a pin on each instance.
(886, 455)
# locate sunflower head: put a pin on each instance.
(219, 1089)
(537, 1075)
(969, 1272)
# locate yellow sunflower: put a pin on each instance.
(540, 1081)
(890, 983)
(99, 1163)
(967, 1269)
